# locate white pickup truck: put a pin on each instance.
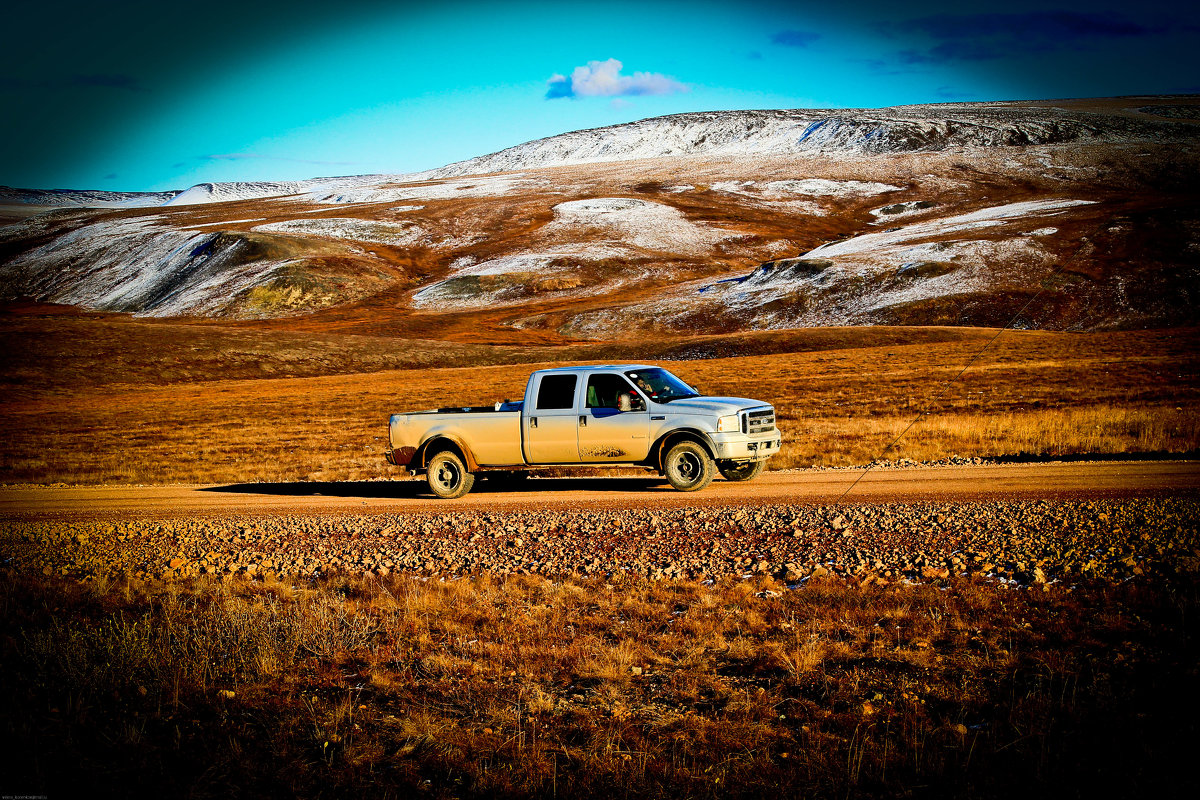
(632, 414)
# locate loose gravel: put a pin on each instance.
(1028, 542)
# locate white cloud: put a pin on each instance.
(604, 79)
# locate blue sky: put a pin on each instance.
(145, 96)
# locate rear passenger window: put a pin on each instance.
(556, 391)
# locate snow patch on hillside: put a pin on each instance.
(635, 223)
(382, 192)
(906, 265)
(138, 265)
(812, 187)
(857, 281)
(821, 187)
(975, 220)
(889, 213)
(224, 222)
(401, 209)
(31, 227)
(506, 280)
(350, 229)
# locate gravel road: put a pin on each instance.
(1032, 524)
(882, 485)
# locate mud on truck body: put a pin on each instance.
(616, 415)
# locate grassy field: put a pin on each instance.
(584, 688)
(491, 686)
(108, 400)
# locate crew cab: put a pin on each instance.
(614, 415)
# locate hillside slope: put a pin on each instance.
(1079, 215)
(809, 132)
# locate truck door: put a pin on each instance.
(550, 426)
(614, 424)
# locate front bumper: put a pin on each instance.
(741, 447)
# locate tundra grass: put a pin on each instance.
(840, 402)
(525, 686)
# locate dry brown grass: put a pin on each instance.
(487, 687)
(1102, 429)
(842, 395)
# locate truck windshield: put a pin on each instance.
(660, 385)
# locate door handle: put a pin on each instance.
(583, 421)
(533, 422)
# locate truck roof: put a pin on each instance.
(595, 367)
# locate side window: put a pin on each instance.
(556, 391)
(612, 392)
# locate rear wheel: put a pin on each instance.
(448, 477)
(688, 467)
(744, 471)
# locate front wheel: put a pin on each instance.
(744, 471)
(448, 477)
(688, 467)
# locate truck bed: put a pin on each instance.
(494, 434)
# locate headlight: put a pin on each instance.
(729, 424)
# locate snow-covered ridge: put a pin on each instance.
(237, 190)
(359, 189)
(810, 131)
(796, 133)
(83, 198)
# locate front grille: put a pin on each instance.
(760, 421)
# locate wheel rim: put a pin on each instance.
(688, 467)
(447, 476)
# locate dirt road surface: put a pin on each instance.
(957, 483)
(1028, 523)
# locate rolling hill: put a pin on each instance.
(1075, 215)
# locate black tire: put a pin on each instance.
(743, 471)
(447, 476)
(688, 467)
